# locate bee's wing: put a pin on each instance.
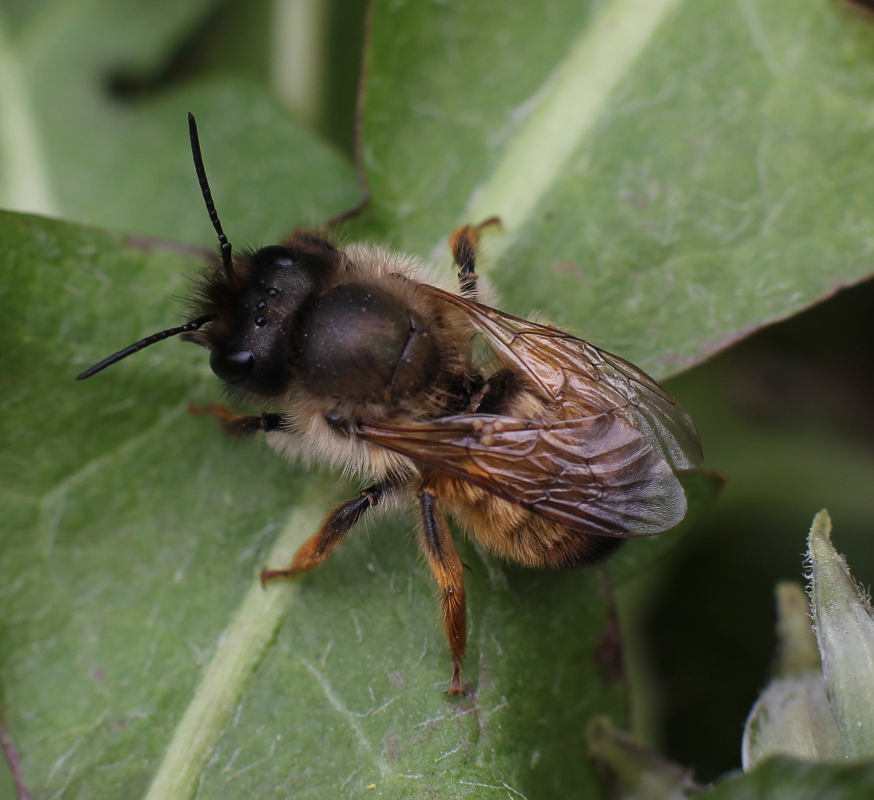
(566, 370)
(595, 474)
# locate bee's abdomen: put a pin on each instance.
(516, 534)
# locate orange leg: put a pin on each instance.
(332, 531)
(464, 243)
(448, 571)
(238, 424)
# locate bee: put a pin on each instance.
(545, 450)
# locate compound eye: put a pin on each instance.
(232, 366)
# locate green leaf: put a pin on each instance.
(71, 148)
(782, 779)
(713, 184)
(718, 183)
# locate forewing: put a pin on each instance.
(596, 474)
(568, 371)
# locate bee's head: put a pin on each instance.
(254, 307)
(245, 306)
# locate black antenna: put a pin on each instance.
(207, 197)
(149, 340)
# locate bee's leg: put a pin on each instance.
(448, 571)
(331, 532)
(239, 424)
(464, 243)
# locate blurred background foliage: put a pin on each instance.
(785, 414)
